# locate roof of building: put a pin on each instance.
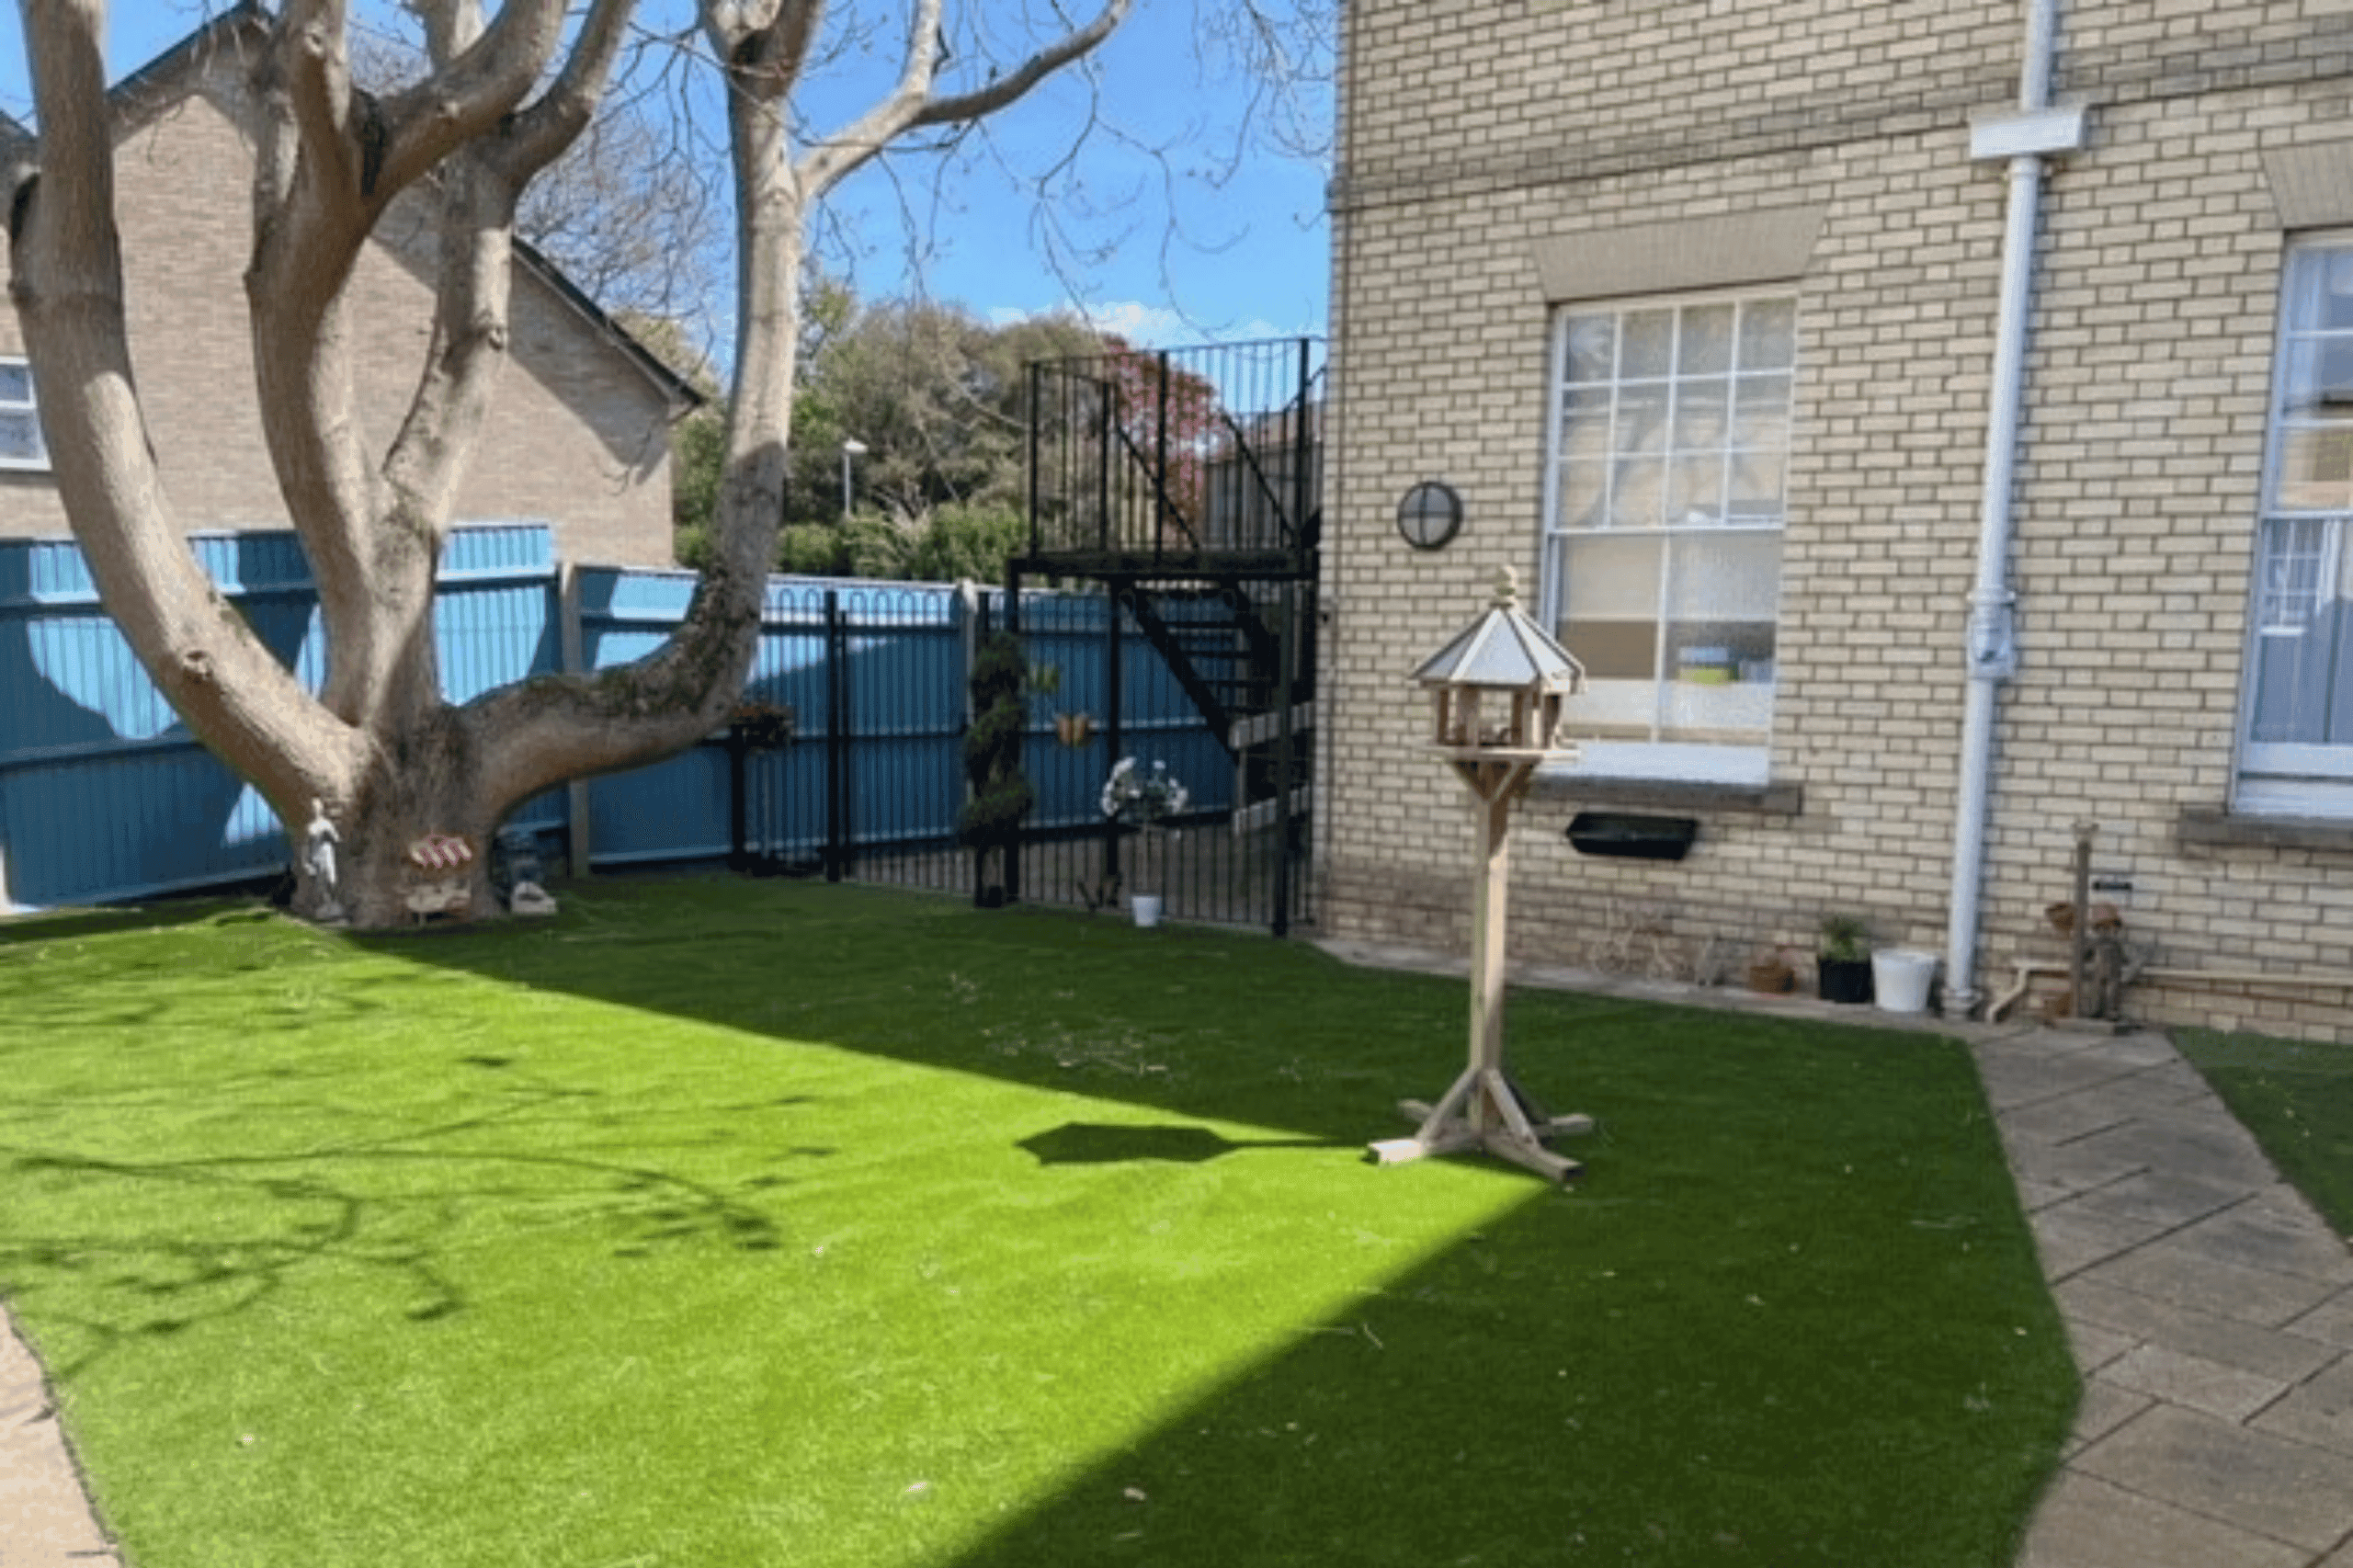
(179, 70)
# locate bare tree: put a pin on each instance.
(509, 87)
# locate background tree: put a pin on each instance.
(505, 90)
(936, 395)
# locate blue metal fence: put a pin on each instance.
(104, 795)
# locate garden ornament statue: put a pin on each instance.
(1499, 690)
(318, 856)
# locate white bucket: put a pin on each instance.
(1145, 907)
(1900, 978)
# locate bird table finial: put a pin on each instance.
(1507, 588)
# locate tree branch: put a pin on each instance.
(466, 95)
(543, 133)
(67, 284)
(910, 104)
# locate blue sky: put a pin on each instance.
(1166, 232)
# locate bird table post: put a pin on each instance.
(1499, 692)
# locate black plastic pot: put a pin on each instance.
(1845, 980)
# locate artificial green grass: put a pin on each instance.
(2297, 1098)
(721, 1223)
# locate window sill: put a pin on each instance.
(1665, 794)
(2212, 828)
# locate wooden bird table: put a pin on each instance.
(1486, 1108)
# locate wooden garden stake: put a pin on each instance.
(1499, 691)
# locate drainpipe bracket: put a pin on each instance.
(1995, 134)
(1993, 637)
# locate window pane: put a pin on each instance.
(1638, 493)
(1695, 491)
(1758, 490)
(1611, 622)
(1593, 342)
(1761, 414)
(1614, 581)
(1723, 595)
(1769, 335)
(2303, 645)
(2314, 471)
(1706, 347)
(2329, 306)
(2320, 377)
(16, 385)
(1700, 414)
(21, 438)
(1583, 487)
(1649, 345)
(1585, 422)
(1642, 419)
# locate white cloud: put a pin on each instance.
(1152, 327)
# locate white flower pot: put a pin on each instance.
(1145, 907)
(1900, 979)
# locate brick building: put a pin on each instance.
(579, 430)
(1701, 308)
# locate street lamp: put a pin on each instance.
(853, 448)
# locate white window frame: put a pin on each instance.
(2280, 777)
(30, 407)
(1738, 763)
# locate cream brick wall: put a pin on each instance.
(1474, 133)
(578, 437)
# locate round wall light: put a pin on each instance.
(1430, 515)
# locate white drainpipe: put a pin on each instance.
(2024, 139)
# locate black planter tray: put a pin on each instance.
(1632, 836)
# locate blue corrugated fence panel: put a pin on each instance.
(103, 796)
(673, 809)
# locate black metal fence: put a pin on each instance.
(870, 784)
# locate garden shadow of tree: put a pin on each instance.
(316, 1209)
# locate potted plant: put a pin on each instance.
(1772, 973)
(1144, 798)
(1843, 962)
(1001, 795)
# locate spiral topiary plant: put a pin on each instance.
(990, 823)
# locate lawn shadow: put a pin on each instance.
(224, 1234)
(1100, 1144)
(1499, 1404)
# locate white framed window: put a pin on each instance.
(2296, 741)
(20, 439)
(1668, 442)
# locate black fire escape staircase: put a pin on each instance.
(1185, 483)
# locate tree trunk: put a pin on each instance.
(391, 796)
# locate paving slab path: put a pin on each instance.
(2210, 1308)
